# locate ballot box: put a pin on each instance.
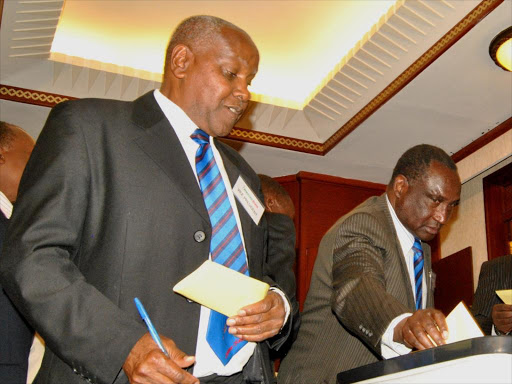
(485, 359)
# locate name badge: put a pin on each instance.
(248, 199)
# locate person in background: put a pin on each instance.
(113, 206)
(279, 213)
(370, 296)
(15, 332)
(493, 316)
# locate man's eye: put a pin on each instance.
(230, 74)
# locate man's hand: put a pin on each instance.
(146, 363)
(259, 321)
(502, 317)
(414, 331)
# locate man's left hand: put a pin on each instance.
(259, 321)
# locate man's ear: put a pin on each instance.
(400, 186)
(269, 203)
(181, 57)
(2, 157)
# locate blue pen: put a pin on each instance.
(149, 324)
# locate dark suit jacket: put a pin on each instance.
(359, 284)
(495, 274)
(15, 334)
(108, 210)
(280, 260)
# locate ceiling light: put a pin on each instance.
(298, 53)
(501, 49)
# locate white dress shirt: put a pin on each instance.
(389, 348)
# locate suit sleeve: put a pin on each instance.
(485, 298)
(40, 268)
(360, 298)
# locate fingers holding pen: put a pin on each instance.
(147, 364)
(155, 359)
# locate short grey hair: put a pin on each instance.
(197, 32)
(7, 134)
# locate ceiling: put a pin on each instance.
(420, 73)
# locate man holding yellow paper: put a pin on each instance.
(118, 202)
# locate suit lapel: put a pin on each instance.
(398, 252)
(3, 227)
(160, 143)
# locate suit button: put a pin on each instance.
(199, 236)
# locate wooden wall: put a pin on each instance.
(320, 200)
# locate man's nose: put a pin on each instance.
(242, 90)
(443, 213)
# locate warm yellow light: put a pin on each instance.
(500, 49)
(504, 54)
(300, 42)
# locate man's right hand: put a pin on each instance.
(146, 363)
(422, 329)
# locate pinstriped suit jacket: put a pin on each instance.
(359, 284)
(494, 275)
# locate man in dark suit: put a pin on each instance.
(110, 209)
(492, 314)
(15, 333)
(279, 213)
(367, 301)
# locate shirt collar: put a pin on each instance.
(405, 237)
(5, 206)
(183, 127)
(176, 116)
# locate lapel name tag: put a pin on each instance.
(248, 199)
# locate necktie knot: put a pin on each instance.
(417, 245)
(200, 137)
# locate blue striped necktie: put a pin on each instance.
(226, 246)
(418, 271)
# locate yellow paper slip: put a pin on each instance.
(461, 325)
(221, 289)
(505, 295)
